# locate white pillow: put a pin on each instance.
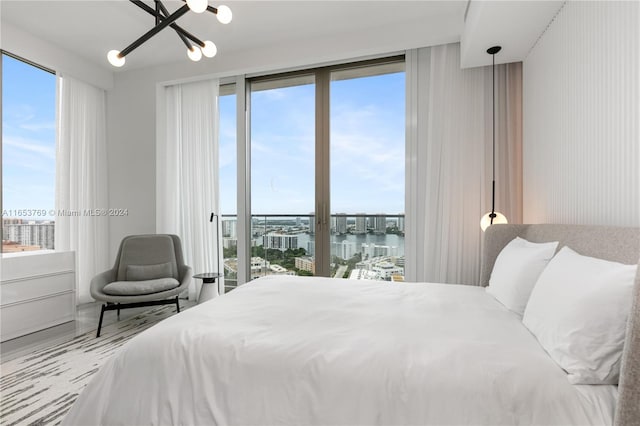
(578, 312)
(516, 271)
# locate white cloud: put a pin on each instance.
(20, 113)
(367, 158)
(272, 94)
(227, 153)
(26, 117)
(37, 127)
(30, 145)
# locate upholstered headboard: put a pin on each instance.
(617, 244)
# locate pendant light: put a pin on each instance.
(493, 216)
(196, 48)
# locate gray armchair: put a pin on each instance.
(149, 270)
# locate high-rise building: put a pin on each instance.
(229, 243)
(381, 224)
(312, 223)
(281, 242)
(371, 222)
(306, 264)
(385, 270)
(341, 223)
(367, 250)
(370, 251)
(401, 222)
(383, 251)
(361, 224)
(259, 267)
(379, 270)
(29, 234)
(229, 228)
(344, 250)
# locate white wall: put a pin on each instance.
(131, 124)
(581, 117)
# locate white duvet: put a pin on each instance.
(291, 350)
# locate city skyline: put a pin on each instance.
(286, 246)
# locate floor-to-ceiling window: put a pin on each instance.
(367, 159)
(282, 175)
(228, 183)
(327, 172)
(28, 155)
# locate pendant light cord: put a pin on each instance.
(493, 104)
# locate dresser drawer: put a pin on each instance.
(22, 290)
(26, 317)
(37, 291)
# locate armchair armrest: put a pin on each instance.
(185, 272)
(100, 281)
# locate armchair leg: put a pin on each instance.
(110, 306)
(118, 312)
(177, 304)
(100, 322)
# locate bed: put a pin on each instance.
(292, 350)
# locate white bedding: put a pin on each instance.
(291, 350)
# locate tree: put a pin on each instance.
(355, 259)
(274, 254)
(289, 263)
(257, 251)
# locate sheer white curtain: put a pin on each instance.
(449, 161)
(81, 180)
(187, 173)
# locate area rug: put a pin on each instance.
(39, 388)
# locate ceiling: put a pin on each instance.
(513, 25)
(91, 28)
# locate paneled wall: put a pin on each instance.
(581, 117)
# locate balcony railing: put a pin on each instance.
(363, 246)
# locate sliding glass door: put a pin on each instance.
(327, 172)
(228, 171)
(367, 146)
(282, 176)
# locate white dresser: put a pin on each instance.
(37, 291)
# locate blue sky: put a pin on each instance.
(28, 136)
(367, 148)
(367, 144)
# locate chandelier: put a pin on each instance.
(196, 48)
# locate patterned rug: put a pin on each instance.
(39, 388)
